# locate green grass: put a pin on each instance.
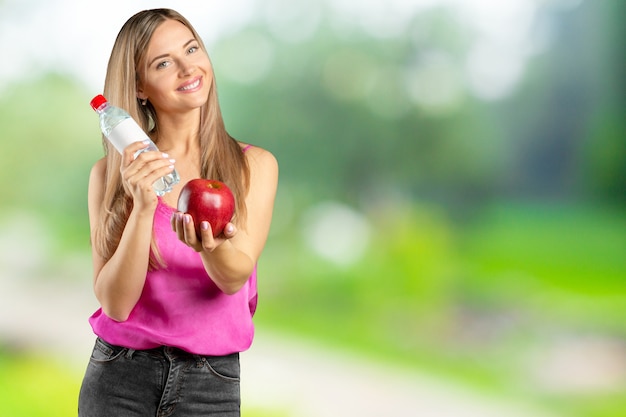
(469, 301)
(565, 263)
(37, 386)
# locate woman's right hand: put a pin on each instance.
(138, 174)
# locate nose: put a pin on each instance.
(187, 68)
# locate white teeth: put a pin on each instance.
(191, 86)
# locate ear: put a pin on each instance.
(140, 94)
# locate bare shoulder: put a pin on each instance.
(98, 171)
(260, 159)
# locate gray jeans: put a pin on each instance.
(159, 382)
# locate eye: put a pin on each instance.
(162, 64)
(192, 49)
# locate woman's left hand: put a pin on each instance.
(183, 225)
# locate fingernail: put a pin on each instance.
(165, 155)
(229, 228)
(172, 160)
(186, 219)
(204, 225)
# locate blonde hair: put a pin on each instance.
(221, 156)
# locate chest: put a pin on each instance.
(186, 171)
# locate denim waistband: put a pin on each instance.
(161, 351)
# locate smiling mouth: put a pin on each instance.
(191, 86)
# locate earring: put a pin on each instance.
(144, 101)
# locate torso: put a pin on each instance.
(187, 170)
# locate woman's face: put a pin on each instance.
(177, 73)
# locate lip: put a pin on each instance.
(191, 86)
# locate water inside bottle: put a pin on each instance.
(164, 184)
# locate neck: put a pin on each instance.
(178, 133)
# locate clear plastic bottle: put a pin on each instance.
(121, 130)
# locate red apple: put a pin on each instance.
(207, 200)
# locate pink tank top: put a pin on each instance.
(180, 306)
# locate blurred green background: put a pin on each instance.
(452, 194)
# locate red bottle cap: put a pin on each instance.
(98, 101)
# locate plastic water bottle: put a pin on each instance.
(121, 130)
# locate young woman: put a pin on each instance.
(176, 309)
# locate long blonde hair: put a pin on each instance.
(221, 157)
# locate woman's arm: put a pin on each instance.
(230, 259)
(119, 281)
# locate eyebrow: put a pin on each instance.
(166, 55)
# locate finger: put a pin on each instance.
(177, 226)
(206, 231)
(189, 230)
(157, 169)
(151, 161)
(146, 173)
(136, 156)
(230, 230)
(130, 152)
(174, 220)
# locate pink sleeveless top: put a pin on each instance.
(180, 306)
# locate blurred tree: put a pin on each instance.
(347, 111)
(49, 142)
(566, 124)
(339, 115)
(360, 115)
(604, 150)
